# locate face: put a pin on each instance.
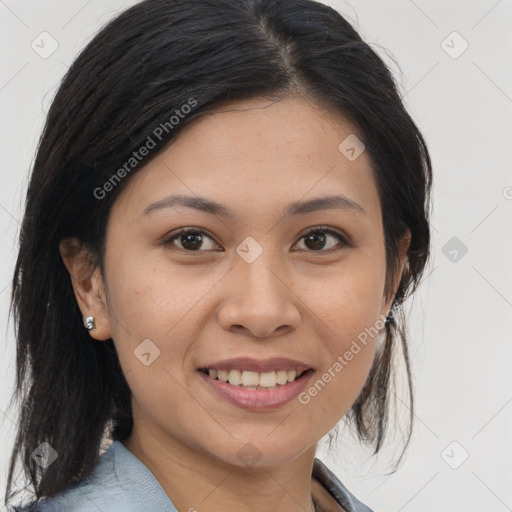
(266, 281)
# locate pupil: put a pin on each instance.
(189, 239)
(318, 240)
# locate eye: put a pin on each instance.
(191, 239)
(317, 238)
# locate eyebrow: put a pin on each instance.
(340, 202)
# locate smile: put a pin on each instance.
(247, 379)
(255, 390)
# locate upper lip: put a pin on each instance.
(258, 365)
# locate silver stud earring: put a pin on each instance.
(89, 323)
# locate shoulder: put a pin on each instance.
(96, 492)
(106, 488)
(337, 490)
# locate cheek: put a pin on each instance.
(158, 314)
(151, 299)
(152, 331)
(348, 306)
(348, 300)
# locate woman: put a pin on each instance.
(228, 206)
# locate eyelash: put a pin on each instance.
(317, 229)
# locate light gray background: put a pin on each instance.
(460, 323)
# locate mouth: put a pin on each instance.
(247, 379)
(256, 385)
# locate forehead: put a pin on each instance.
(256, 154)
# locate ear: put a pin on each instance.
(87, 285)
(403, 246)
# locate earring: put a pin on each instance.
(89, 323)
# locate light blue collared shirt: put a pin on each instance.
(122, 483)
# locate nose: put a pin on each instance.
(258, 300)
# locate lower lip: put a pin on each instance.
(258, 398)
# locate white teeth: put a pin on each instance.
(235, 377)
(281, 377)
(249, 379)
(223, 375)
(268, 379)
(255, 380)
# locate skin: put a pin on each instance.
(255, 158)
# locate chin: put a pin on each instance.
(261, 451)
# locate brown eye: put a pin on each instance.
(318, 240)
(191, 240)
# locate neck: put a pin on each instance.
(200, 482)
